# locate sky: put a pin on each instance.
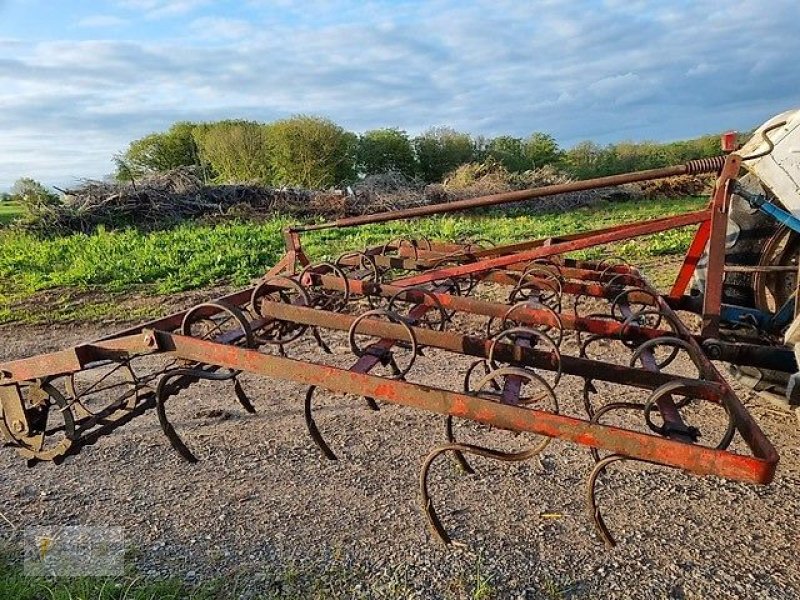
(80, 79)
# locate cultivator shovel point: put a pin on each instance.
(527, 315)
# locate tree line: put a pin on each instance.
(313, 152)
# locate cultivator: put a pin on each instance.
(527, 316)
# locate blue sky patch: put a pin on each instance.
(80, 79)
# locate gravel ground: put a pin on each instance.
(265, 510)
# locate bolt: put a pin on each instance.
(18, 426)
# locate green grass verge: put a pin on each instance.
(194, 255)
(9, 211)
(332, 579)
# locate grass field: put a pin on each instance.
(195, 255)
(9, 211)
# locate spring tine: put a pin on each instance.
(588, 389)
(435, 523)
(459, 457)
(320, 342)
(313, 430)
(241, 395)
(591, 499)
(162, 393)
(164, 390)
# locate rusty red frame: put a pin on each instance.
(503, 265)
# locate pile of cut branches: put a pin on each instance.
(165, 199)
(158, 201)
(490, 177)
(682, 185)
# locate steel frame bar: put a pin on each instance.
(599, 238)
(527, 315)
(690, 168)
(480, 347)
(715, 272)
(690, 261)
(759, 468)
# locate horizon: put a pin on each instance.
(81, 81)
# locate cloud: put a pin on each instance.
(701, 69)
(160, 9)
(219, 28)
(631, 70)
(101, 21)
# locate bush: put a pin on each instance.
(386, 151)
(440, 150)
(311, 152)
(235, 151)
(158, 152)
(33, 195)
(541, 149)
(509, 152)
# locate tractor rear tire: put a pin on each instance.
(748, 232)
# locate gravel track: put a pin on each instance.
(263, 507)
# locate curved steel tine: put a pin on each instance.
(588, 389)
(459, 457)
(162, 393)
(397, 373)
(313, 430)
(242, 397)
(427, 501)
(591, 501)
(320, 342)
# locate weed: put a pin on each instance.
(195, 255)
(482, 588)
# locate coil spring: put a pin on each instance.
(705, 165)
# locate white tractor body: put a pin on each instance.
(779, 170)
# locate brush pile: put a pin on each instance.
(680, 186)
(165, 199)
(490, 177)
(160, 200)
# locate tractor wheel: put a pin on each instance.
(754, 239)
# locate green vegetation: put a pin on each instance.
(311, 152)
(440, 150)
(518, 155)
(194, 255)
(337, 578)
(315, 152)
(159, 152)
(234, 150)
(9, 210)
(384, 150)
(303, 151)
(20, 587)
(27, 197)
(588, 159)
